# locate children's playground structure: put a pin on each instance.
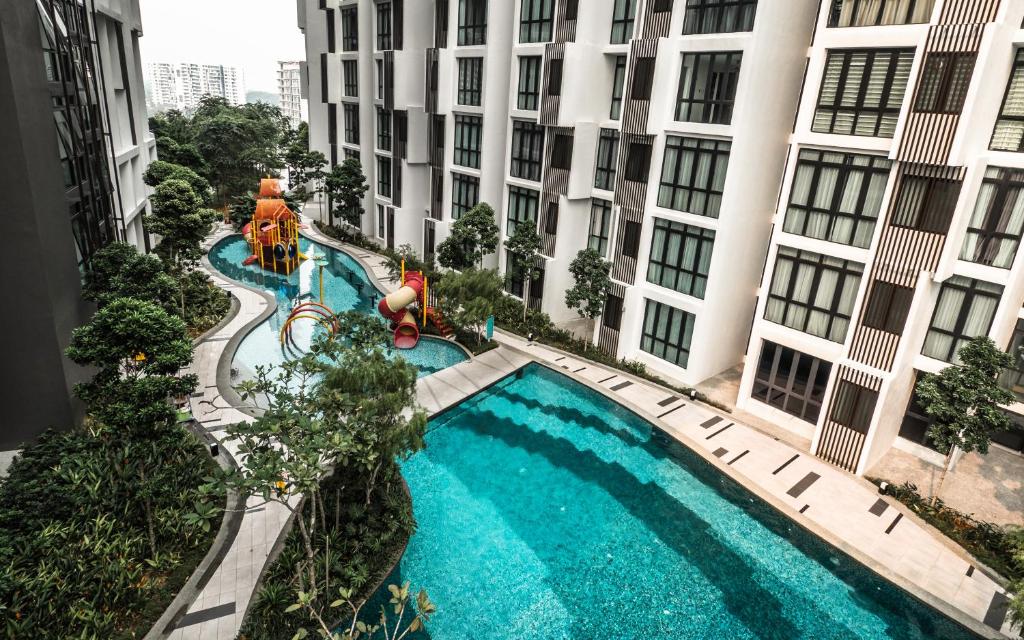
(273, 233)
(398, 308)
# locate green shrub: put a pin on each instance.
(205, 303)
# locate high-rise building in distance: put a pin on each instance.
(289, 90)
(181, 85)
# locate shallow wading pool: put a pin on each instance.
(545, 510)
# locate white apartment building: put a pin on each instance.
(716, 152)
(289, 91)
(181, 85)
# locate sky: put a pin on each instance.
(252, 34)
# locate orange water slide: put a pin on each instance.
(395, 305)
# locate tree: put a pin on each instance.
(120, 271)
(304, 165)
(523, 248)
(590, 273)
(160, 170)
(181, 221)
(345, 186)
(964, 401)
(182, 154)
(473, 236)
(469, 297)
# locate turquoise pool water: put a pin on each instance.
(346, 287)
(547, 511)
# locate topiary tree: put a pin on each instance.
(469, 297)
(523, 248)
(345, 187)
(590, 273)
(181, 222)
(160, 170)
(119, 271)
(473, 236)
(965, 401)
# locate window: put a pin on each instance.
(607, 157)
(638, 162)
(529, 82)
(383, 177)
(1009, 131)
(853, 406)
(993, 234)
(618, 82)
(707, 87)
(429, 240)
(791, 381)
(441, 24)
(623, 14)
(572, 9)
(471, 72)
(662, 6)
(631, 239)
(350, 69)
(869, 13)
(527, 150)
(351, 154)
(351, 123)
(349, 29)
(813, 293)
(925, 203)
(331, 38)
(535, 20)
(468, 130)
(384, 26)
(380, 79)
(555, 77)
(1012, 378)
(522, 207)
(836, 196)
(643, 79)
(465, 194)
(680, 257)
(862, 91)
(667, 333)
(514, 280)
(612, 316)
(693, 175)
(380, 221)
(718, 16)
(561, 152)
(332, 123)
(472, 22)
(888, 306)
(551, 219)
(944, 82)
(383, 130)
(600, 226)
(964, 310)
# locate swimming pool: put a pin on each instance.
(545, 510)
(346, 287)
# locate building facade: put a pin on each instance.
(76, 143)
(181, 85)
(751, 170)
(289, 91)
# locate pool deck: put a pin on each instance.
(839, 507)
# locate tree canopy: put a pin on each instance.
(160, 170)
(473, 236)
(180, 220)
(469, 297)
(590, 272)
(345, 186)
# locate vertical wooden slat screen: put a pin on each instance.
(839, 444)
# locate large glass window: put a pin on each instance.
(465, 193)
(643, 79)
(555, 77)
(853, 406)
(993, 234)
(791, 381)
(384, 42)
(693, 175)
(472, 22)
(522, 207)
(623, 15)
(527, 150)
(718, 16)
(869, 13)
(638, 162)
(471, 80)
(888, 306)
(600, 226)
(813, 293)
(350, 69)
(561, 152)
(964, 310)
(351, 113)
(680, 257)
(468, 131)
(707, 87)
(944, 82)
(862, 91)
(1012, 378)
(607, 157)
(528, 97)
(535, 20)
(349, 29)
(383, 177)
(618, 84)
(1009, 131)
(383, 130)
(836, 196)
(925, 203)
(667, 333)
(612, 316)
